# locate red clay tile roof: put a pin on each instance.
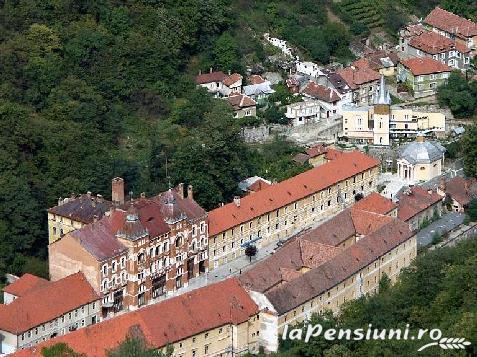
(332, 154)
(462, 190)
(301, 158)
(210, 77)
(316, 150)
(432, 42)
(256, 79)
(239, 101)
(376, 203)
(258, 185)
(321, 92)
(166, 322)
(417, 201)
(84, 208)
(358, 76)
(229, 80)
(99, 238)
(451, 23)
(413, 30)
(286, 263)
(425, 65)
(25, 284)
(305, 184)
(289, 295)
(47, 303)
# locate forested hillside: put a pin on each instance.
(437, 291)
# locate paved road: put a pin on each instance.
(446, 223)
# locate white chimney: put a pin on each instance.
(237, 201)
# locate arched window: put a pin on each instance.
(105, 284)
(140, 257)
(105, 269)
(178, 241)
(123, 262)
(113, 266)
(158, 250)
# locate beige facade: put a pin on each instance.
(58, 226)
(376, 126)
(226, 340)
(419, 172)
(286, 221)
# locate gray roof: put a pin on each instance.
(256, 89)
(422, 152)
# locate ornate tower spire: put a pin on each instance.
(383, 96)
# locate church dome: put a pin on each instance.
(422, 152)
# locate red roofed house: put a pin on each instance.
(280, 210)
(446, 23)
(329, 99)
(242, 105)
(43, 310)
(460, 190)
(423, 75)
(363, 82)
(141, 250)
(322, 268)
(418, 206)
(218, 83)
(219, 319)
(22, 286)
(441, 48)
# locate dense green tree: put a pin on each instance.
(60, 350)
(469, 149)
(458, 95)
(226, 53)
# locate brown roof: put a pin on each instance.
(307, 286)
(258, 185)
(316, 150)
(321, 92)
(376, 203)
(413, 30)
(154, 215)
(25, 284)
(451, 23)
(210, 77)
(432, 42)
(231, 79)
(286, 264)
(301, 158)
(256, 79)
(47, 303)
(305, 184)
(239, 101)
(415, 202)
(462, 190)
(425, 65)
(164, 323)
(84, 208)
(358, 76)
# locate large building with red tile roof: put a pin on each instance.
(460, 190)
(142, 249)
(21, 286)
(452, 26)
(322, 268)
(418, 206)
(218, 319)
(423, 75)
(363, 82)
(45, 309)
(282, 209)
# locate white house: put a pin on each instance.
(303, 112)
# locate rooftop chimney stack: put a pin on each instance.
(143, 194)
(190, 192)
(210, 70)
(117, 190)
(237, 201)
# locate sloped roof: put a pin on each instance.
(358, 76)
(269, 199)
(239, 101)
(451, 23)
(376, 203)
(84, 208)
(321, 92)
(461, 189)
(256, 79)
(425, 65)
(44, 304)
(432, 42)
(258, 185)
(231, 79)
(163, 323)
(210, 77)
(354, 258)
(415, 202)
(259, 88)
(424, 152)
(316, 150)
(25, 284)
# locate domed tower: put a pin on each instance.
(132, 228)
